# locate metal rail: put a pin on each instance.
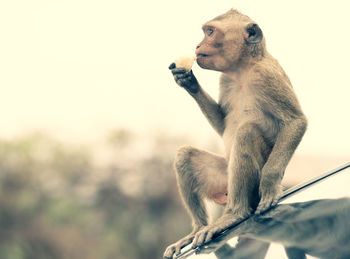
(286, 194)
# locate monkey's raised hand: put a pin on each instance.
(184, 78)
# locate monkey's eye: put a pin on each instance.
(210, 31)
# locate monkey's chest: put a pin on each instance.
(239, 116)
(248, 116)
(242, 110)
(240, 107)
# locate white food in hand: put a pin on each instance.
(185, 62)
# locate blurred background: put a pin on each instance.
(91, 117)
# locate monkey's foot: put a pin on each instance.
(266, 204)
(207, 233)
(176, 247)
(268, 199)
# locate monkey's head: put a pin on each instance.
(229, 40)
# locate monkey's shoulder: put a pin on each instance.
(269, 73)
(274, 92)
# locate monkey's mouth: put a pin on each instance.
(202, 55)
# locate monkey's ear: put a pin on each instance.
(254, 34)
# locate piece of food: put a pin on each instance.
(185, 62)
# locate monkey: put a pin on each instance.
(258, 117)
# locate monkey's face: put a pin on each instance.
(226, 41)
(221, 46)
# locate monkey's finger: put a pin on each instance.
(179, 76)
(257, 211)
(178, 249)
(172, 66)
(184, 82)
(195, 239)
(260, 207)
(275, 202)
(201, 239)
(263, 208)
(182, 76)
(176, 71)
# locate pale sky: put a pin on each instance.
(79, 68)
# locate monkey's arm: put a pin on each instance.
(210, 108)
(293, 125)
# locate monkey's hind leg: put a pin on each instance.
(198, 174)
(247, 157)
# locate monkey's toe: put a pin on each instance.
(168, 254)
(261, 208)
(209, 232)
(265, 205)
(181, 244)
(199, 238)
(176, 247)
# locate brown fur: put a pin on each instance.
(258, 117)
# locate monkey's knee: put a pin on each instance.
(251, 144)
(247, 133)
(182, 162)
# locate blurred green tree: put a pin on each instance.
(56, 201)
